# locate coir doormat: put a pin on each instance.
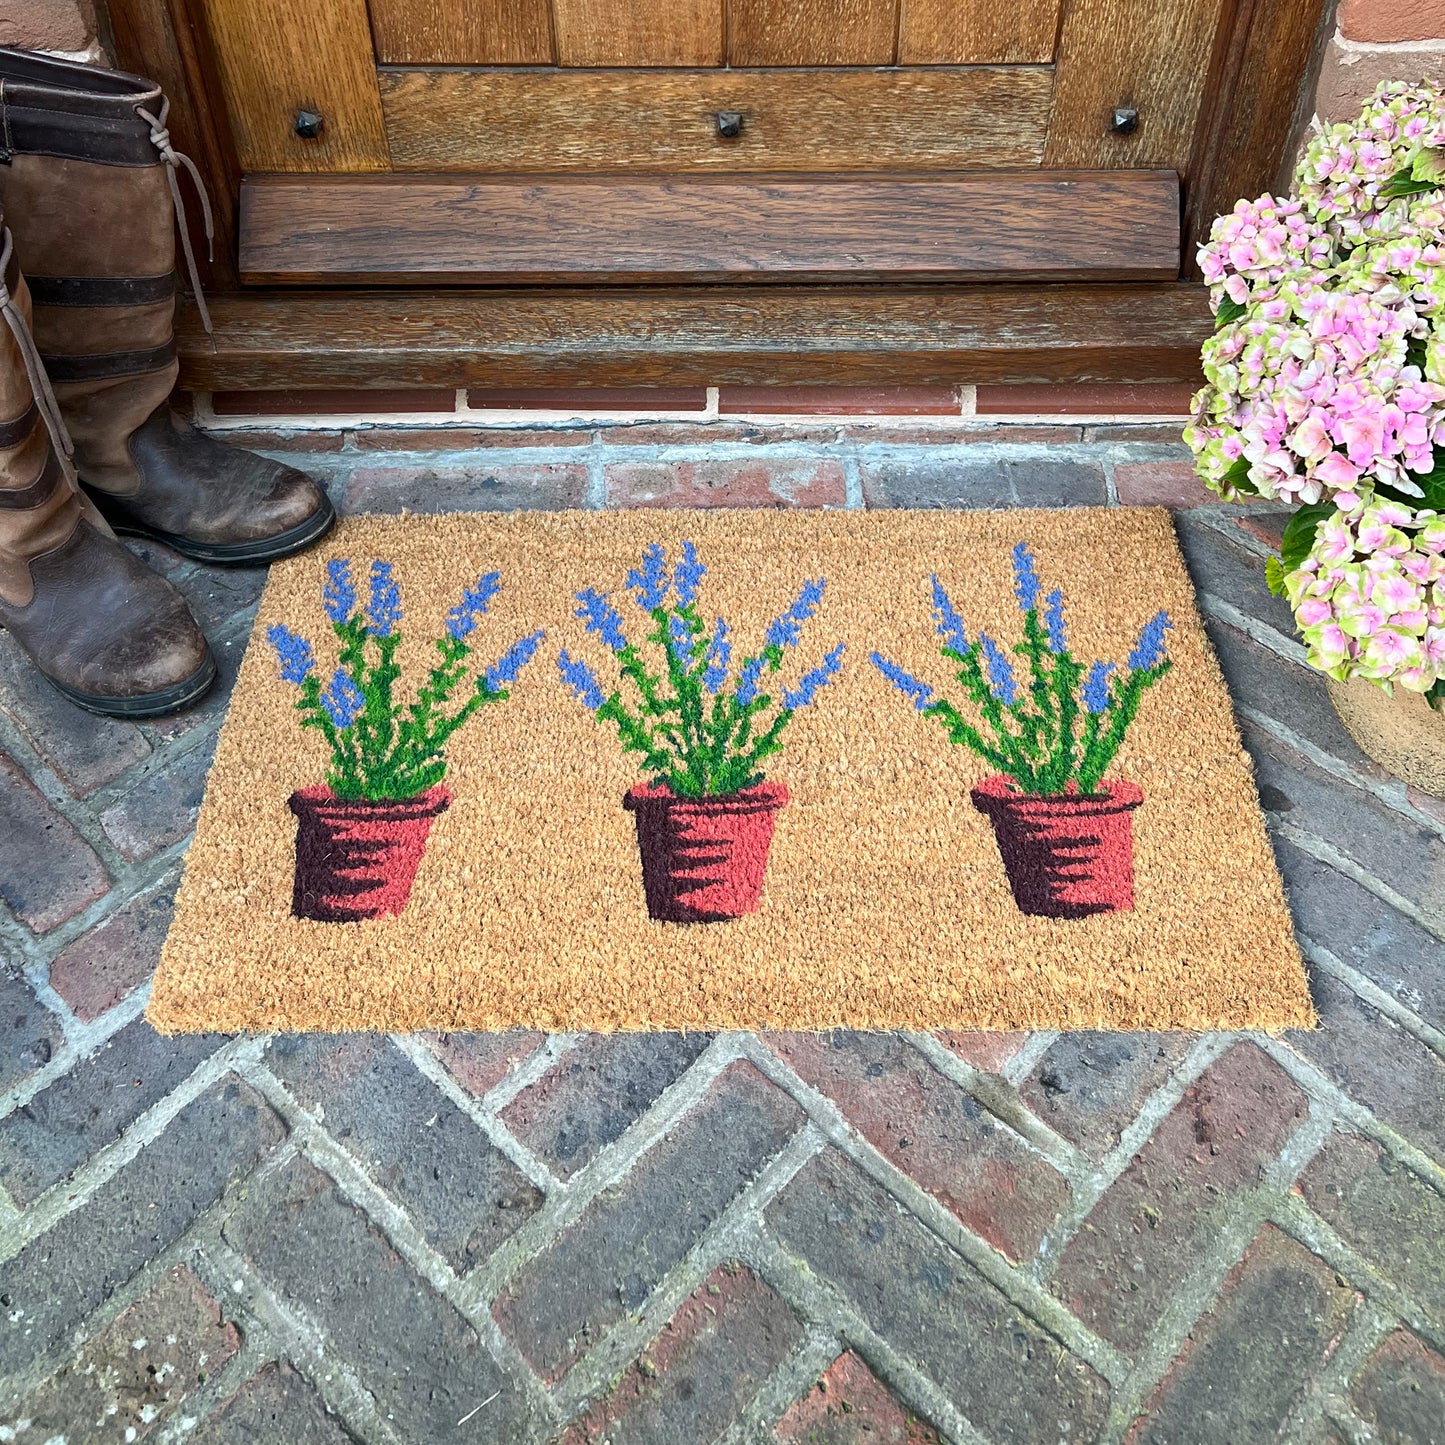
(680, 770)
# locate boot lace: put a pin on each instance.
(45, 402)
(174, 160)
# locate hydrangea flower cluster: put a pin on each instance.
(380, 749)
(693, 732)
(1059, 733)
(1326, 379)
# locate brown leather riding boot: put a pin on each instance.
(109, 633)
(87, 175)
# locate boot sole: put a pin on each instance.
(233, 554)
(149, 704)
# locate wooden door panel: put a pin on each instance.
(812, 32)
(977, 32)
(639, 32)
(1156, 58)
(276, 57)
(462, 32)
(976, 117)
(1048, 226)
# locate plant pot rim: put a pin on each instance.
(760, 797)
(1000, 791)
(318, 798)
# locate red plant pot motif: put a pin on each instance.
(703, 859)
(1068, 855)
(357, 859)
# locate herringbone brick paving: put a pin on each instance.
(969, 1238)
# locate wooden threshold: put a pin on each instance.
(704, 337)
(1120, 225)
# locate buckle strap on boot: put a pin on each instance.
(174, 160)
(34, 368)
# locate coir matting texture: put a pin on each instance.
(885, 903)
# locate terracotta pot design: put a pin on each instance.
(703, 859)
(357, 859)
(1066, 856)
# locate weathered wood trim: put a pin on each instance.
(671, 230)
(701, 336)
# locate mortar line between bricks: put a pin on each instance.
(1012, 1281)
(1111, 482)
(1391, 794)
(395, 1222)
(541, 1061)
(590, 1376)
(1090, 1186)
(561, 1209)
(596, 497)
(1023, 1063)
(1365, 1331)
(257, 1349)
(81, 1041)
(1261, 632)
(852, 483)
(1318, 1086)
(71, 1193)
(1295, 1218)
(819, 1302)
(1373, 994)
(493, 1129)
(1351, 1428)
(1326, 852)
(809, 1360)
(337, 1382)
(1003, 1103)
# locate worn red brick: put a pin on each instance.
(113, 959)
(1160, 484)
(1084, 399)
(271, 440)
(48, 24)
(1388, 21)
(1401, 1391)
(726, 484)
(48, 872)
(937, 1134)
(1143, 1236)
(479, 1062)
(1278, 1318)
(161, 809)
(274, 1407)
(986, 1051)
(705, 1366)
(588, 400)
(850, 1405)
(838, 401)
(509, 487)
(133, 1376)
(1266, 527)
(333, 401)
(1350, 76)
(948, 434)
(464, 438)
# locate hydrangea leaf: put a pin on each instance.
(1299, 533)
(1229, 310)
(1274, 576)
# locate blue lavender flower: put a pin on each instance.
(748, 680)
(689, 573)
(512, 661)
(602, 618)
(810, 682)
(1096, 687)
(1149, 650)
(475, 601)
(339, 596)
(784, 631)
(342, 699)
(905, 682)
(680, 640)
(293, 653)
(950, 624)
(1054, 621)
(1000, 674)
(383, 608)
(580, 678)
(650, 584)
(1026, 580)
(719, 653)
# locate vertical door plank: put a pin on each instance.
(638, 32)
(276, 57)
(978, 32)
(812, 32)
(462, 32)
(1155, 58)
